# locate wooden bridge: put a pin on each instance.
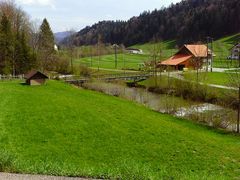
(77, 80)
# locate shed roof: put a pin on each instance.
(237, 45)
(133, 49)
(33, 73)
(176, 59)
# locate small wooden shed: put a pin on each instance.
(35, 78)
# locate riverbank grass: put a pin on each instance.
(217, 78)
(58, 129)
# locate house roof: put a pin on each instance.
(197, 50)
(133, 49)
(176, 59)
(237, 45)
(33, 73)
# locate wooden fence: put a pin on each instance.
(10, 77)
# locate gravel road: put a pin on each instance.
(8, 176)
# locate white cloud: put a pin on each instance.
(49, 3)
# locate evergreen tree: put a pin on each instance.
(6, 46)
(24, 57)
(46, 45)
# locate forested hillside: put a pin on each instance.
(187, 21)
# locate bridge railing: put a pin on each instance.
(108, 76)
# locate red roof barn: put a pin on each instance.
(189, 56)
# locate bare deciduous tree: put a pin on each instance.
(234, 81)
(155, 56)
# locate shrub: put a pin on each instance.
(84, 70)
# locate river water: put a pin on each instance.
(205, 113)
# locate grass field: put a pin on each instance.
(124, 61)
(208, 78)
(168, 48)
(61, 130)
(211, 78)
(222, 50)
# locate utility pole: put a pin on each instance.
(124, 62)
(209, 40)
(115, 46)
(98, 51)
(98, 58)
(211, 54)
(207, 54)
(71, 61)
(238, 119)
(91, 51)
(238, 53)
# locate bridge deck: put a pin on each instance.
(112, 77)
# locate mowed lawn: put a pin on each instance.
(58, 129)
(217, 78)
(167, 48)
(221, 48)
(124, 61)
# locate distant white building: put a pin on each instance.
(55, 47)
(235, 52)
(134, 51)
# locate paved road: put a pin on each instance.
(224, 69)
(8, 176)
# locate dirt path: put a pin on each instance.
(8, 176)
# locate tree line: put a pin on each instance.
(24, 45)
(187, 21)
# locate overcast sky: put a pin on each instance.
(76, 14)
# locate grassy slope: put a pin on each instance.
(132, 61)
(61, 130)
(208, 78)
(211, 78)
(221, 49)
(168, 48)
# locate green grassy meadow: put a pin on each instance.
(222, 48)
(168, 48)
(124, 61)
(217, 78)
(58, 129)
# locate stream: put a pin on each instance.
(204, 113)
